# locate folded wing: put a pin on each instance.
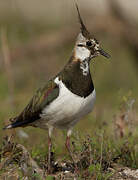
(42, 98)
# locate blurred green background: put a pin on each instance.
(36, 41)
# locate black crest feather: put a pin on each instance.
(83, 27)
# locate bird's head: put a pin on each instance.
(87, 47)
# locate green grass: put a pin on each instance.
(115, 83)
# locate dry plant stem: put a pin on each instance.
(8, 69)
(30, 161)
(90, 150)
(7, 63)
(70, 153)
(101, 151)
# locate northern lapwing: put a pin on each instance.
(67, 97)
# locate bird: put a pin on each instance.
(68, 96)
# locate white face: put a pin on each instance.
(82, 53)
(85, 49)
(82, 50)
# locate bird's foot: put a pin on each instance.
(76, 169)
(50, 165)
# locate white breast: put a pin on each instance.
(68, 108)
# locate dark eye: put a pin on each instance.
(89, 43)
(80, 45)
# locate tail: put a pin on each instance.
(15, 125)
(8, 127)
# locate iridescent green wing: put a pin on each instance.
(43, 97)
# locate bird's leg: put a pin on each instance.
(69, 148)
(49, 154)
(49, 148)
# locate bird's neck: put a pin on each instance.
(82, 55)
(77, 78)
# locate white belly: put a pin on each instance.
(68, 108)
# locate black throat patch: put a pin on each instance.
(74, 79)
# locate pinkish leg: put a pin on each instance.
(67, 144)
(49, 149)
(49, 154)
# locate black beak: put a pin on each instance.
(103, 53)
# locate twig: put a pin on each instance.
(8, 69)
(7, 63)
(101, 151)
(29, 161)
